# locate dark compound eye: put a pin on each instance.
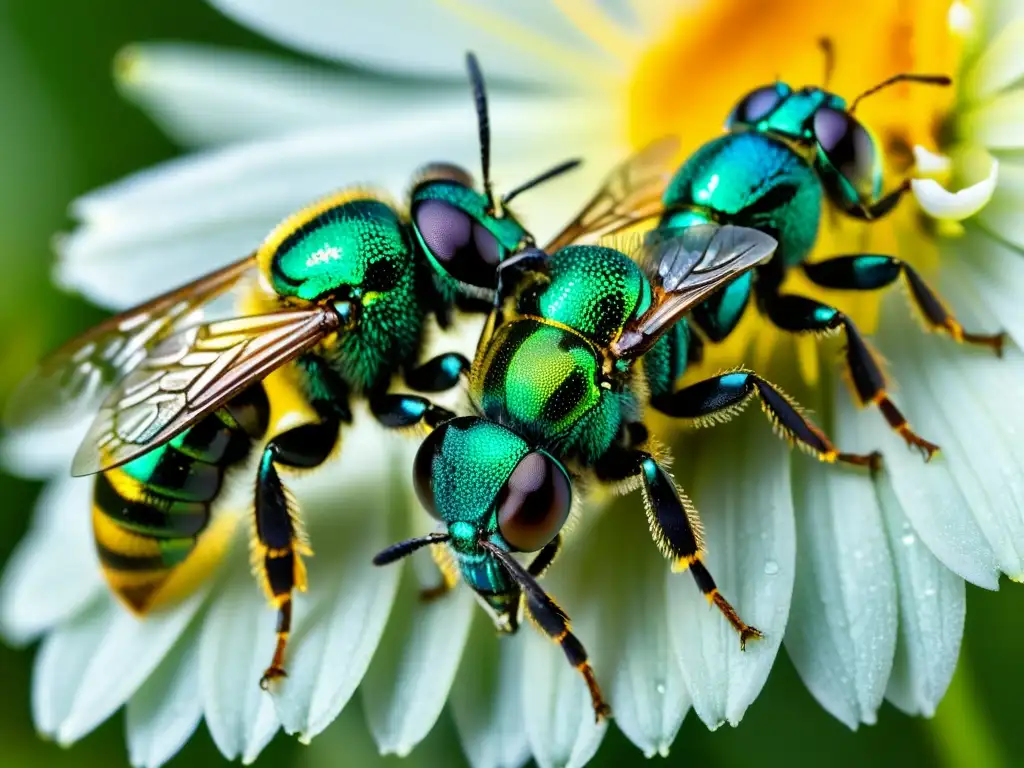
(534, 503)
(423, 470)
(848, 147)
(756, 105)
(463, 246)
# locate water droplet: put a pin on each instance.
(771, 567)
(660, 688)
(908, 539)
(929, 592)
(858, 554)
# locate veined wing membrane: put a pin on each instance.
(629, 194)
(687, 264)
(76, 376)
(191, 373)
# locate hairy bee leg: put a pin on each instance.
(438, 374)
(539, 565)
(278, 545)
(400, 411)
(720, 396)
(869, 272)
(800, 314)
(449, 574)
(675, 526)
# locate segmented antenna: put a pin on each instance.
(829, 51)
(903, 77)
(547, 175)
(476, 77)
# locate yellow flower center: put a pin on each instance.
(718, 50)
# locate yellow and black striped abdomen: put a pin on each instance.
(149, 515)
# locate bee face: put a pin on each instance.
(462, 236)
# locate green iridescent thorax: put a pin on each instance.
(793, 115)
(754, 180)
(507, 230)
(543, 382)
(358, 251)
(592, 289)
(474, 461)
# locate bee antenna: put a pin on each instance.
(829, 51)
(547, 175)
(476, 77)
(903, 77)
(407, 547)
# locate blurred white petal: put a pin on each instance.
(996, 271)
(960, 19)
(557, 711)
(429, 38)
(751, 542)
(1000, 65)
(407, 684)
(53, 573)
(957, 397)
(184, 218)
(625, 586)
(129, 652)
(995, 124)
(485, 698)
(940, 203)
(927, 162)
(206, 95)
(842, 631)
(933, 603)
(61, 663)
(167, 709)
(43, 450)
(235, 647)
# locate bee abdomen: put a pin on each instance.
(149, 516)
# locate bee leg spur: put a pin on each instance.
(720, 396)
(868, 272)
(675, 526)
(279, 543)
(799, 314)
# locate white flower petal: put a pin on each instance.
(994, 124)
(996, 271)
(129, 652)
(933, 604)
(750, 542)
(166, 710)
(842, 631)
(525, 41)
(62, 661)
(960, 19)
(485, 699)
(1000, 65)
(927, 162)
(334, 640)
(632, 649)
(53, 574)
(235, 646)
(205, 95)
(185, 218)
(557, 711)
(956, 397)
(940, 203)
(43, 450)
(412, 671)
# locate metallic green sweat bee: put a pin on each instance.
(333, 306)
(786, 154)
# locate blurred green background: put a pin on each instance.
(63, 131)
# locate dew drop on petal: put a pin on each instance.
(771, 568)
(908, 539)
(660, 688)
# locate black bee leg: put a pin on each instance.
(401, 411)
(438, 374)
(674, 524)
(869, 272)
(800, 314)
(279, 543)
(720, 397)
(881, 207)
(539, 565)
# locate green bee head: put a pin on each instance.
(485, 484)
(842, 150)
(466, 233)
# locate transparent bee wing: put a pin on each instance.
(629, 194)
(191, 373)
(686, 265)
(75, 378)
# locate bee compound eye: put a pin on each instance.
(756, 105)
(847, 145)
(534, 503)
(463, 247)
(423, 470)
